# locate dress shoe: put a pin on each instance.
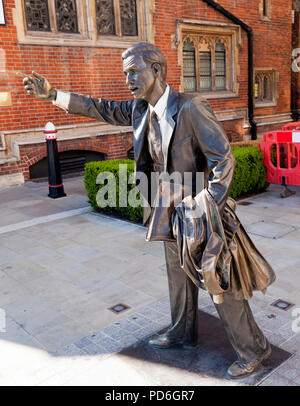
(241, 369)
(163, 341)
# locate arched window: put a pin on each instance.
(204, 64)
(265, 87)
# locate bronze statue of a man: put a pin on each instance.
(173, 132)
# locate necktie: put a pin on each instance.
(155, 140)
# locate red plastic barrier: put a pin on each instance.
(281, 151)
(291, 126)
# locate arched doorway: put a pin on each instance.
(130, 153)
(71, 163)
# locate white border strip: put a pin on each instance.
(295, 136)
(2, 142)
(2, 17)
(44, 219)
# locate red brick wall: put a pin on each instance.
(233, 129)
(113, 145)
(272, 43)
(98, 71)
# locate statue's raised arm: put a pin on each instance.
(38, 86)
(115, 113)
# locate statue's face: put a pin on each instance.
(140, 77)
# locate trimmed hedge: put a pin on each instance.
(245, 143)
(250, 174)
(93, 169)
(249, 177)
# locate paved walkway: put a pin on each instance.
(62, 267)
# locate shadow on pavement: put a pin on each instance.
(212, 357)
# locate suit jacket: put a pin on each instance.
(192, 141)
(217, 254)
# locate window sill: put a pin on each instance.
(266, 19)
(109, 42)
(261, 105)
(216, 95)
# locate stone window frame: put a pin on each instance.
(2, 14)
(87, 36)
(273, 76)
(265, 15)
(228, 34)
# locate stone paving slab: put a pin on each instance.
(125, 342)
(269, 229)
(59, 275)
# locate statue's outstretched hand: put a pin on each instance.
(38, 86)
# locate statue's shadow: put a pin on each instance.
(211, 358)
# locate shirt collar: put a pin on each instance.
(161, 104)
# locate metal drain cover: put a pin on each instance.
(118, 308)
(282, 304)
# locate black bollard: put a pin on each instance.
(56, 187)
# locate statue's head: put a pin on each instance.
(145, 68)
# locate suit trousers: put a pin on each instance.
(246, 338)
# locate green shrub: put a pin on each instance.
(93, 169)
(249, 177)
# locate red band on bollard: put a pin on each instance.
(50, 135)
(56, 185)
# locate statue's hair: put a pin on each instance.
(149, 53)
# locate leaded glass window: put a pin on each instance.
(265, 8)
(256, 88)
(116, 17)
(105, 17)
(204, 59)
(51, 15)
(128, 17)
(220, 62)
(205, 70)
(108, 23)
(37, 15)
(115, 23)
(189, 66)
(66, 16)
(265, 86)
